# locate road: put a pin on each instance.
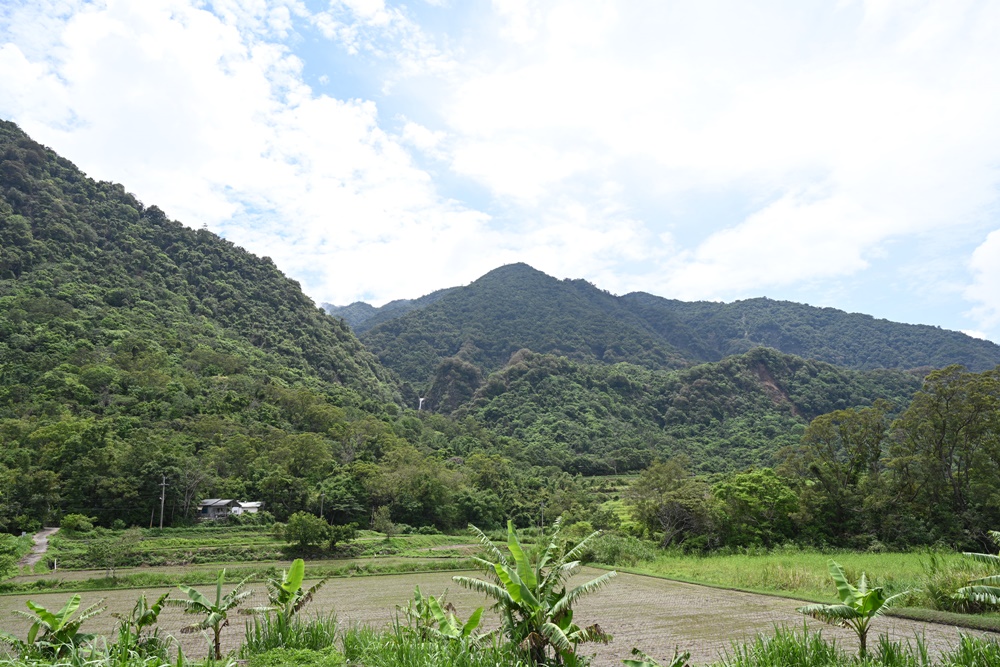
(38, 551)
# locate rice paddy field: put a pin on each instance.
(642, 611)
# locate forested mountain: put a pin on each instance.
(599, 419)
(852, 340)
(135, 351)
(133, 348)
(362, 316)
(516, 307)
(512, 308)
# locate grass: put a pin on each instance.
(803, 575)
(155, 577)
(241, 544)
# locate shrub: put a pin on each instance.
(620, 550)
(77, 523)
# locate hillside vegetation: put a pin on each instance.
(725, 416)
(134, 349)
(136, 352)
(516, 307)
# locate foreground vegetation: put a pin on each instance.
(527, 584)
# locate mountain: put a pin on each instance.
(727, 415)
(511, 308)
(133, 347)
(121, 276)
(516, 307)
(852, 340)
(361, 316)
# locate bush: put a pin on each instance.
(306, 529)
(77, 523)
(612, 549)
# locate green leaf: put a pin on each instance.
(296, 573)
(473, 622)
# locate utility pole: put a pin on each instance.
(163, 497)
(321, 496)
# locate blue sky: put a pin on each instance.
(840, 153)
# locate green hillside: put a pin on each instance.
(725, 415)
(133, 348)
(512, 308)
(852, 340)
(516, 307)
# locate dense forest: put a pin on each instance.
(133, 347)
(516, 307)
(135, 351)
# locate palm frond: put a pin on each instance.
(577, 552)
(992, 560)
(835, 614)
(557, 637)
(591, 586)
(489, 589)
(592, 633)
(987, 594)
(891, 601)
(487, 544)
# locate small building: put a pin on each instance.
(247, 507)
(214, 509)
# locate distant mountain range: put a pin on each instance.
(516, 307)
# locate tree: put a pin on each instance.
(946, 458)
(77, 523)
(667, 498)
(858, 606)
(535, 608)
(216, 612)
(842, 452)
(112, 553)
(306, 529)
(755, 508)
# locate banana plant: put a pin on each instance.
(858, 607)
(535, 607)
(985, 589)
(132, 627)
(679, 659)
(426, 611)
(286, 596)
(54, 634)
(216, 612)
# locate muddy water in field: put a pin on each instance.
(652, 614)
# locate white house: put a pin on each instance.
(213, 509)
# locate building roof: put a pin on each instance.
(217, 502)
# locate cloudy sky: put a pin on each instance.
(841, 153)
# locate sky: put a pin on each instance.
(842, 153)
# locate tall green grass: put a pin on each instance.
(396, 648)
(803, 573)
(272, 631)
(791, 648)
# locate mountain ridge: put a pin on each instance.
(583, 322)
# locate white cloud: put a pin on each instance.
(836, 133)
(985, 288)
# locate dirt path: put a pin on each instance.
(38, 551)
